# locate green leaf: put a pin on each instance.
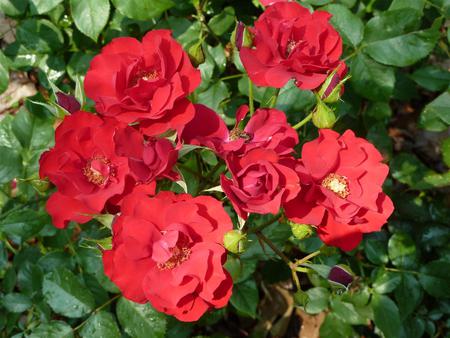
(436, 114)
(223, 21)
(4, 72)
(433, 78)
(402, 250)
(140, 320)
(434, 278)
(245, 298)
(29, 278)
(371, 79)
(375, 247)
(386, 316)
(142, 9)
(66, 295)
(43, 6)
(13, 7)
(78, 65)
(318, 300)
(11, 164)
(90, 16)
(445, 149)
(391, 40)
(293, 100)
(386, 281)
(408, 295)
(39, 36)
(100, 325)
(402, 4)
(347, 312)
(214, 96)
(346, 23)
(334, 327)
(16, 302)
(53, 329)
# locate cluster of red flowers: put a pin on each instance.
(167, 248)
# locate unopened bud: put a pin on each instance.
(14, 188)
(323, 116)
(332, 88)
(68, 102)
(235, 241)
(340, 276)
(241, 37)
(196, 54)
(301, 231)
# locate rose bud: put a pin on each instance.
(332, 88)
(68, 102)
(196, 54)
(40, 185)
(340, 276)
(14, 188)
(323, 116)
(241, 37)
(301, 231)
(235, 241)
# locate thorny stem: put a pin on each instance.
(96, 310)
(303, 122)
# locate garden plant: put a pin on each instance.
(224, 168)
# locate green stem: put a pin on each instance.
(96, 310)
(307, 258)
(250, 97)
(303, 122)
(230, 77)
(274, 98)
(10, 247)
(264, 225)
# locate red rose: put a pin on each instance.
(149, 158)
(292, 43)
(261, 182)
(270, 2)
(145, 82)
(267, 128)
(342, 178)
(84, 167)
(167, 250)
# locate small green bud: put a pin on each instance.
(323, 116)
(235, 241)
(301, 231)
(196, 54)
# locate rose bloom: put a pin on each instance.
(341, 178)
(149, 158)
(144, 82)
(270, 2)
(84, 167)
(261, 181)
(267, 128)
(292, 43)
(167, 250)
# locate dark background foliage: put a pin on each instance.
(52, 282)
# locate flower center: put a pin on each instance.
(99, 170)
(146, 75)
(337, 184)
(237, 133)
(179, 255)
(290, 47)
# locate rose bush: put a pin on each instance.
(196, 168)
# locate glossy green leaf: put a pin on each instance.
(11, 164)
(90, 16)
(66, 295)
(4, 72)
(53, 329)
(245, 297)
(402, 250)
(434, 278)
(386, 281)
(143, 9)
(16, 302)
(408, 295)
(214, 96)
(386, 315)
(347, 312)
(318, 300)
(13, 7)
(371, 79)
(43, 6)
(222, 22)
(346, 23)
(436, 114)
(408, 4)
(432, 78)
(100, 325)
(334, 327)
(140, 320)
(40, 36)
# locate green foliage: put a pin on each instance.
(52, 282)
